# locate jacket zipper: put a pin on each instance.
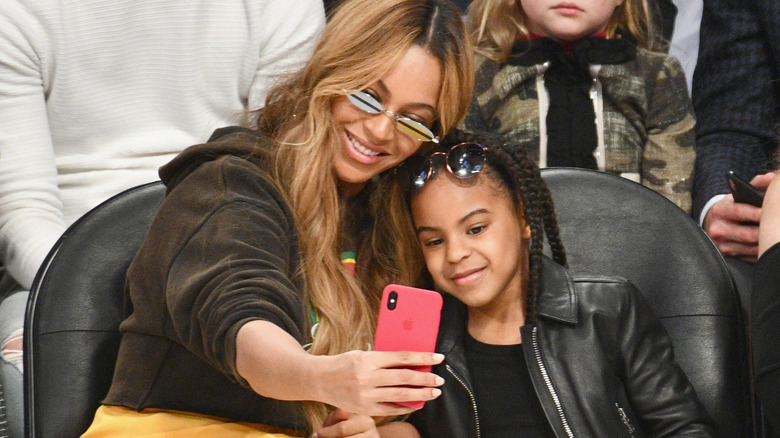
(597, 96)
(544, 107)
(471, 397)
(548, 382)
(625, 420)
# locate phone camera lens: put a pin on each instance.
(392, 300)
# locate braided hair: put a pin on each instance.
(522, 178)
(510, 165)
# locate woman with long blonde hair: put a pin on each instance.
(251, 312)
(581, 83)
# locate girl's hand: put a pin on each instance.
(341, 423)
(372, 382)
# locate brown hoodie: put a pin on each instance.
(222, 251)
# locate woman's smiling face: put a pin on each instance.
(372, 143)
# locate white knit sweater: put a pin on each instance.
(95, 95)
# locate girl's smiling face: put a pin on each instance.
(373, 143)
(568, 20)
(474, 242)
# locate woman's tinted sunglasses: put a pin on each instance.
(463, 160)
(412, 128)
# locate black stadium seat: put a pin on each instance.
(609, 225)
(76, 304)
(613, 226)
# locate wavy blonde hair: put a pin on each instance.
(360, 44)
(495, 25)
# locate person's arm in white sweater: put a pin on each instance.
(31, 217)
(32, 214)
(290, 31)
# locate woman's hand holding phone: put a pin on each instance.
(363, 382)
(408, 321)
(395, 378)
(376, 382)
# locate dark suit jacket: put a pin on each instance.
(736, 93)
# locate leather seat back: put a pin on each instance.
(613, 226)
(76, 304)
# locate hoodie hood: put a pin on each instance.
(234, 140)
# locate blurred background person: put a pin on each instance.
(96, 95)
(736, 97)
(586, 86)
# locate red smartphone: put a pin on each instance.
(408, 321)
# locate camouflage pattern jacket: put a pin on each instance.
(644, 116)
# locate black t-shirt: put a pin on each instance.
(507, 405)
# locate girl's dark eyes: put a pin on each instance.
(476, 230)
(439, 241)
(433, 242)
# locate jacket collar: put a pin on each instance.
(587, 51)
(557, 301)
(530, 59)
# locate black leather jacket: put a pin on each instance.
(601, 364)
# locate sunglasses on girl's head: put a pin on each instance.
(368, 103)
(463, 160)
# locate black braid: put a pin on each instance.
(522, 177)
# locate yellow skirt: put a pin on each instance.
(117, 421)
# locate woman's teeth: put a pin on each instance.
(362, 149)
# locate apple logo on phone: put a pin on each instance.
(408, 324)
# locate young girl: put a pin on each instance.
(577, 84)
(246, 319)
(529, 350)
